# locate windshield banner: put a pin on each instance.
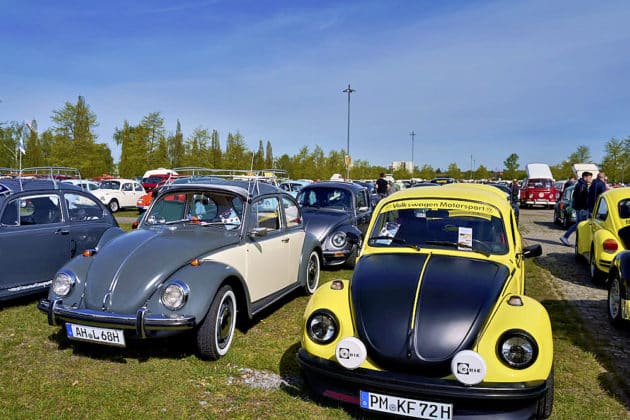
(462, 206)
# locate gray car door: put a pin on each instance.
(34, 241)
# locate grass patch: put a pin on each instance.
(582, 383)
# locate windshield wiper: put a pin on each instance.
(400, 241)
(457, 245)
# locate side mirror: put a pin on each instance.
(532, 251)
(363, 209)
(258, 232)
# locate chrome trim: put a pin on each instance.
(140, 315)
(185, 291)
(57, 313)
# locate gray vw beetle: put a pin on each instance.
(201, 253)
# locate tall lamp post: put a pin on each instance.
(348, 160)
(413, 135)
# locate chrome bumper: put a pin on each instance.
(141, 322)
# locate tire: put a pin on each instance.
(544, 406)
(313, 267)
(576, 253)
(216, 332)
(597, 276)
(113, 206)
(614, 301)
(351, 261)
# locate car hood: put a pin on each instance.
(129, 268)
(455, 297)
(322, 222)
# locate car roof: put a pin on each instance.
(335, 184)
(242, 188)
(36, 184)
(120, 180)
(618, 194)
(474, 192)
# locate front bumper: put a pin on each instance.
(511, 400)
(142, 323)
(338, 256)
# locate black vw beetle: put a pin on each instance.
(338, 214)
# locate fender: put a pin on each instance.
(108, 235)
(621, 265)
(203, 280)
(309, 245)
(598, 239)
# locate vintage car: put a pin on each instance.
(85, 184)
(117, 193)
(605, 233)
(293, 186)
(337, 213)
(434, 322)
(510, 197)
(43, 224)
(202, 253)
(563, 213)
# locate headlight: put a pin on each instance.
(63, 282)
(175, 295)
(322, 326)
(338, 240)
(517, 349)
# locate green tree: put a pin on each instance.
(176, 147)
(153, 125)
(510, 166)
(426, 172)
(197, 147)
(259, 156)
(34, 155)
(453, 171)
(133, 150)
(581, 155)
(216, 155)
(482, 173)
(268, 155)
(615, 159)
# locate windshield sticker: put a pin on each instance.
(465, 238)
(436, 204)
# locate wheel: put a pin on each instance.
(351, 261)
(545, 403)
(556, 218)
(312, 273)
(597, 276)
(576, 252)
(113, 206)
(614, 301)
(215, 333)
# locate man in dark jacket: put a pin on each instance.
(597, 187)
(580, 204)
(382, 186)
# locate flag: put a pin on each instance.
(21, 144)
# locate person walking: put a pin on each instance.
(579, 204)
(597, 187)
(382, 186)
(570, 182)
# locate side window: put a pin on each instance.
(127, 187)
(10, 215)
(82, 208)
(40, 210)
(138, 187)
(265, 213)
(291, 213)
(361, 199)
(602, 210)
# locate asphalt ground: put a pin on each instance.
(571, 281)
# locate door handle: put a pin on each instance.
(285, 240)
(62, 232)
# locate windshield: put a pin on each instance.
(539, 183)
(329, 198)
(110, 185)
(431, 223)
(202, 208)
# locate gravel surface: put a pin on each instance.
(572, 281)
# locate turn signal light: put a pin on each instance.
(88, 252)
(610, 245)
(195, 263)
(515, 301)
(336, 285)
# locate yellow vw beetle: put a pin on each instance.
(606, 233)
(434, 322)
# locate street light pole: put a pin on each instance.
(413, 135)
(348, 90)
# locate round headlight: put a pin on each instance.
(63, 282)
(175, 295)
(322, 327)
(517, 349)
(338, 240)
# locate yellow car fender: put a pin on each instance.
(599, 237)
(532, 318)
(337, 302)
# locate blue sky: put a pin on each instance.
(471, 78)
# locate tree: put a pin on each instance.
(216, 155)
(176, 147)
(268, 155)
(133, 150)
(197, 147)
(615, 159)
(236, 152)
(453, 171)
(426, 172)
(483, 173)
(153, 123)
(511, 167)
(259, 156)
(581, 155)
(33, 156)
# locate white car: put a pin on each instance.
(83, 183)
(119, 193)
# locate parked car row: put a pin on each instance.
(433, 320)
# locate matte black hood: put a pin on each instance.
(456, 295)
(322, 222)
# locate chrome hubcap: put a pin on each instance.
(224, 322)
